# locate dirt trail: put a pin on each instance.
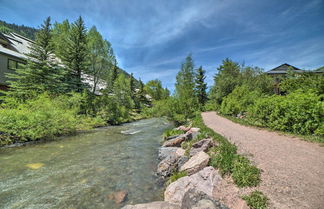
(293, 170)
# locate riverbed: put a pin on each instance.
(81, 171)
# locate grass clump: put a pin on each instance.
(244, 173)
(256, 200)
(171, 132)
(177, 175)
(224, 158)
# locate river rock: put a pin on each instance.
(176, 142)
(204, 181)
(202, 145)
(196, 163)
(181, 161)
(153, 205)
(194, 199)
(170, 137)
(166, 151)
(183, 128)
(118, 197)
(193, 132)
(167, 166)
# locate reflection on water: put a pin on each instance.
(81, 171)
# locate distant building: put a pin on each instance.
(13, 50)
(282, 70)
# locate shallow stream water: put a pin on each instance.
(81, 171)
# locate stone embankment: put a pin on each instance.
(196, 189)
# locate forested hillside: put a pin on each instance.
(23, 30)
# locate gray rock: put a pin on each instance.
(194, 199)
(205, 181)
(193, 132)
(196, 163)
(153, 205)
(166, 151)
(202, 145)
(167, 166)
(181, 161)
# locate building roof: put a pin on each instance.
(284, 68)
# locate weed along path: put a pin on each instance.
(292, 169)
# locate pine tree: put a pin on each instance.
(41, 72)
(76, 55)
(201, 86)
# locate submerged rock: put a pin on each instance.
(204, 181)
(202, 145)
(194, 199)
(196, 163)
(153, 205)
(119, 196)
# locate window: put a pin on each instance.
(12, 64)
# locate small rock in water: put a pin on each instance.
(35, 165)
(118, 197)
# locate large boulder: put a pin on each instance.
(176, 142)
(204, 181)
(153, 205)
(167, 166)
(196, 163)
(172, 162)
(194, 199)
(202, 145)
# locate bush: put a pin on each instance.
(43, 117)
(256, 200)
(239, 100)
(298, 112)
(244, 173)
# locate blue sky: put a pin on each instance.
(152, 38)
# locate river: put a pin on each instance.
(81, 171)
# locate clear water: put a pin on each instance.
(81, 171)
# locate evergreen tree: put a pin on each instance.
(41, 72)
(76, 55)
(60, 33)
(201, 86)
(185, 88)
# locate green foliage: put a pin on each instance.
(239, 100)
(44, 117)
(298, 112)
(177, 175)
(303, 82)
(171, 132)
(154, 89)
(201, 86)
(244, 173)
(256, 200)
(75, 56)
(224, 158)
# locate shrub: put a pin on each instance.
(244, 173)
(256, 200)
(43, 117)
(239, 100)
(298, 112)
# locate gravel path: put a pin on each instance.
(293, 170)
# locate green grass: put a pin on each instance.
(171, 132)
(244, 173)
(177, 175)
(256, 200)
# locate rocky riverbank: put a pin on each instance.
(194, 182)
